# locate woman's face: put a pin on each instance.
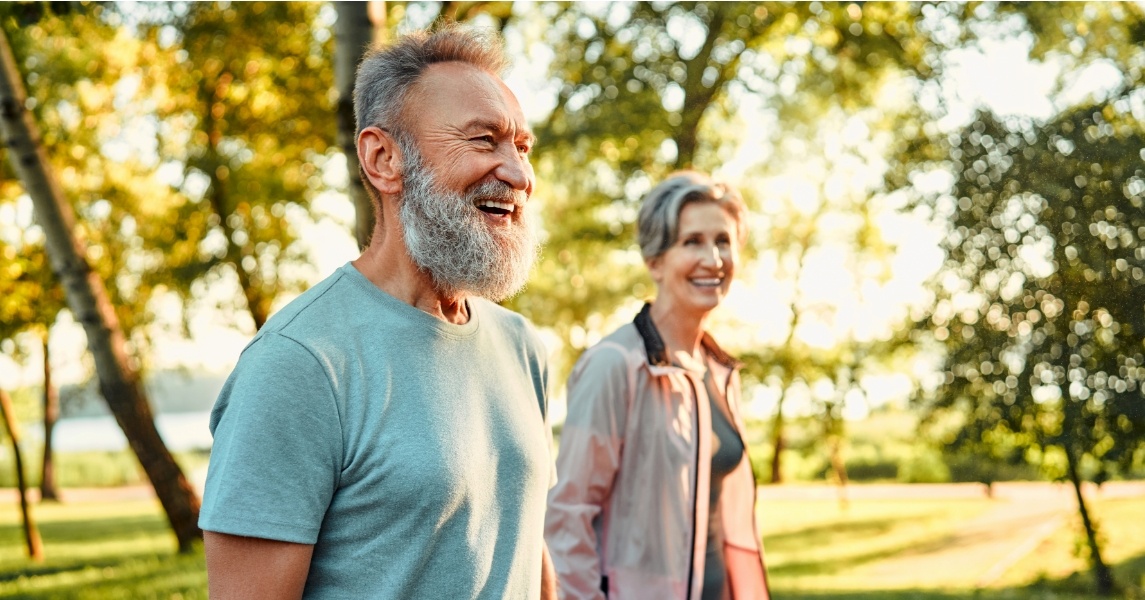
(694, 275)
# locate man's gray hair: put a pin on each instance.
(658, 224)
(388, 73)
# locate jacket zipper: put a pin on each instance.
(695, 488)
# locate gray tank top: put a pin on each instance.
(727, 452)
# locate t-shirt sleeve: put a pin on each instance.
(277, 450)
(536, 357)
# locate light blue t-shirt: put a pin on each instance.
(413, 453)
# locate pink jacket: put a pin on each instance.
(629, 513)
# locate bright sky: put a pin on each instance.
(997, 76)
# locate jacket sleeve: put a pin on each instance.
(587, 462)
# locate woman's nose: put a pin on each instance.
(712, 256)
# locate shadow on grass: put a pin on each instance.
(42, 570)
(152, 576)
(101, 557)
(829, 534)
(127, 527)
(826, 533)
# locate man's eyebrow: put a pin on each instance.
(499, 128)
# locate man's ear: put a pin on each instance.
(381, 160)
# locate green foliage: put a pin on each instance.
(29, 296)
(1039, 306)
(87, 133)
(188, 144)
(885, 447)
(979, 468)
(1040, 310)
(244, 97)
(924, 467)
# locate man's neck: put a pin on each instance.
(387, 265)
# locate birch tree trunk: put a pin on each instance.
(353, 34)
(89, 302)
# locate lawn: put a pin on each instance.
(98, 550)
(816, 550)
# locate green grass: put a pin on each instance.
(1121, 527)
(820, 546)
(815, 550)
(819, 550)
(98, 550)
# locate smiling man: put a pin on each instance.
(385, 435)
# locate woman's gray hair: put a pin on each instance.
(388, 73)
(658, 224)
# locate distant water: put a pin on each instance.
(180, 431)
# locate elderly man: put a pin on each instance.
(384, 435)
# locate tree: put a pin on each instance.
(245, 97)
(31, 532)
(31, 301)
(89, 302)
(353, 34)
(648, 88)
(1038, 307)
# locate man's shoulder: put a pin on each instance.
(499, 316)
(331, 306)
(509, 324)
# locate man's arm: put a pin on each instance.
(548, 576)
(255, 568)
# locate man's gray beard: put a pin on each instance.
(448, 238)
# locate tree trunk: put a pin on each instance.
(697, 96)
(48, 491)
(353, 34)
(1101, 573)
(836, 443)
(89, 302)
(777, 442)
(31, 533)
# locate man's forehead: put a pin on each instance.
(465, 94)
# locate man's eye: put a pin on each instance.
(523, 149)
(485, 139)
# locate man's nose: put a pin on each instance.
(516, 171)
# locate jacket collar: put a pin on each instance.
(658, 352)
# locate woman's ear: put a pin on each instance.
(381, 160)
(654, 265)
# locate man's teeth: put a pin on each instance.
(707, 281)
(505, 206)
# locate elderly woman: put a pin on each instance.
(655, 496)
